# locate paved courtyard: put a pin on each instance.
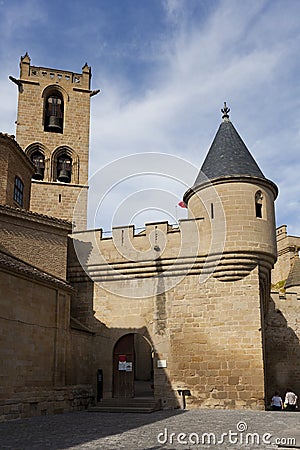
(197, 429)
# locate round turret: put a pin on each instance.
(237, 204)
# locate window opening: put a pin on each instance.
(258, 204)
(212, 210)
(18, 191)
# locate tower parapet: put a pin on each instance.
(29, 73)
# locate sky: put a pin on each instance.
(165, 68)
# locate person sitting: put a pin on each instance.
(290, 400)
(277, 403)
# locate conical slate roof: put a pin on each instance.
(228, 155)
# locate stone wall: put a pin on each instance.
(287, 247)
(201, 316)
(209, 335)
(66, 201)
(283, 342)
(80, 358)
(282, 328)
(38, 240)
(36, 347)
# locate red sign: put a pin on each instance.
(122, 358)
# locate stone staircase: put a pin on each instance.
(126, 405)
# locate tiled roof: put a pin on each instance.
(17, 265)
(294, 276)
(228, 156)
(35, 215)
(6, 135)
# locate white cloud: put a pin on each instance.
(16, 16)
(231, 58)
(208, 52)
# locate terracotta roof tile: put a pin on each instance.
(32, 214)
(17, 265)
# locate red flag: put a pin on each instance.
(182, 204)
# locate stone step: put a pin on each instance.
(133, 405)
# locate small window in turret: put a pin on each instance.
(258, 204)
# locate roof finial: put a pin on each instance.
(225, 112)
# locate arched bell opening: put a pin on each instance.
(39, 156)
(65, 165)
(54, 113)
(64, 168)
(38, 160)
(133, 367)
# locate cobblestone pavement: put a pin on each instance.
(114, 431)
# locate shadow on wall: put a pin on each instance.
(127, 356)
(282, 352)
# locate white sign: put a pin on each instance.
(122, 365)
(129, 367)
(162, 363)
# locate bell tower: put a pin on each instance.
(53, 124)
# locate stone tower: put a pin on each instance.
(53, 129)
(237, 204)
(239, 236)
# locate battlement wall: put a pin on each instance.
(161, 249)
(288, 248)
(159, 239)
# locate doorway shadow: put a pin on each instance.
(282, 348)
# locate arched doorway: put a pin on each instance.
(132, 367)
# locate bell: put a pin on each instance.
(39, 173)
(54, 123)
(63, 176)
(39, 165)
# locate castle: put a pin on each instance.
(199, 312)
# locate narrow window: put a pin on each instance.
(59, 198)
(258, 204)
(54, 110)
(18, 191)
(38, 160)
(212, 210)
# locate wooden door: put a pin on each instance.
(123, 367)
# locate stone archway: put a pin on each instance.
(132, 367)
